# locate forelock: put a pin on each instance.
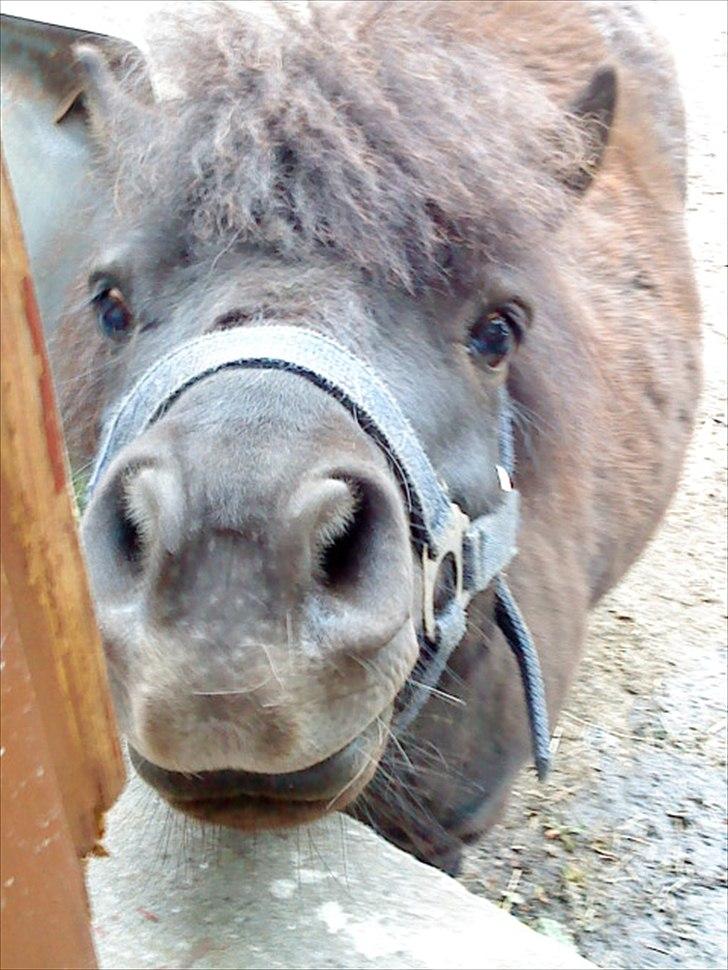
(367, 131)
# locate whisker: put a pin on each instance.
(344, 851)
(273, 670)
(450, 698)
(289, 638)
(393, 737)
(352, 781)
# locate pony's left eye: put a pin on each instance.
(496, 334)
(113, 315)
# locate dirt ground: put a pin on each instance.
(624, 848)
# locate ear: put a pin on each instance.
(594, 110)
(100, 88)
(98, 84)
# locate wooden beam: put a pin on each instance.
(42, 560)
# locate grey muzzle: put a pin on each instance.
(478, 550)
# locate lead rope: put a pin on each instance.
(510, 621)
(519, 639)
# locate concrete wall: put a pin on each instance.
(172, 894)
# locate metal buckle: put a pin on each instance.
(450, 543)
(504, 479)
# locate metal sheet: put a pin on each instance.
(49, 163)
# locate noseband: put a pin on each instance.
(478, 550)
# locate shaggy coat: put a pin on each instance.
(417, 146)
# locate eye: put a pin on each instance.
(113, 315)
(497, 333)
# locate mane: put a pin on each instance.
(370, 131)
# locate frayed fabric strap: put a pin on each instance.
(481, 548)
(320, 360)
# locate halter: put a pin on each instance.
(478, 550)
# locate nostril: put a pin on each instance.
(145, 514)
(343, 540)
(130, 521)
(128, 537)
(361, 594)
(135, 517)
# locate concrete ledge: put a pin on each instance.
(173, 894)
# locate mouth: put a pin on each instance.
(251, 800)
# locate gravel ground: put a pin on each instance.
(624, 850)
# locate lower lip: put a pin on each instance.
(252, 813)
(246, 800)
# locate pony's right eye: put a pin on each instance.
(114, 317)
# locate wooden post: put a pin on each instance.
(64, 729)
(45, 915)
